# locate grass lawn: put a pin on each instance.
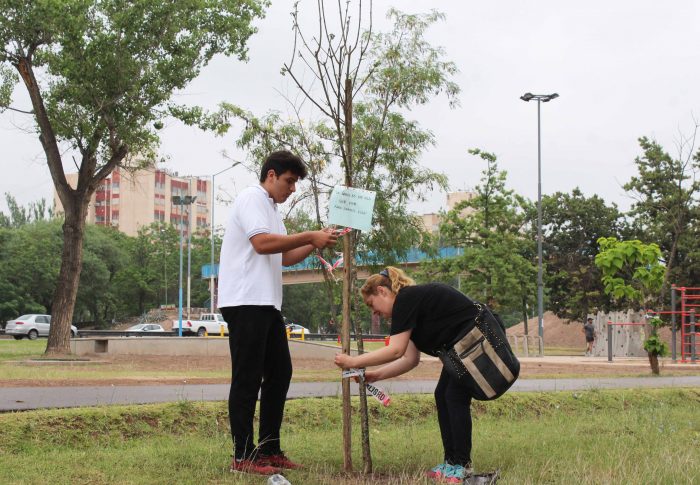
(11, 349)
(620, 437)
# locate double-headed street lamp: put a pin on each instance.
(211, 268)
(181, 200)
(540, 98)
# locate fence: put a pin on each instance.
(521, 344)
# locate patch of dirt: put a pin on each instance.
(562, 333)
(557, 332)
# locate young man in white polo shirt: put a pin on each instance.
(255, 247)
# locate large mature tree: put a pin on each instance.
(572, 224)
(666, 191)
(100, 75)
(490, 228)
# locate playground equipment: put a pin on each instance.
(689, 301)
(619, 334)
(610, 336)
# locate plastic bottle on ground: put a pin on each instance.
(277, 479)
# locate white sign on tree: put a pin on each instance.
(351, 207)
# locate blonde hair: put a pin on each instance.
(394, 279)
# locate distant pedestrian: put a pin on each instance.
(589, 331)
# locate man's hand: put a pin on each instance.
(323, 239)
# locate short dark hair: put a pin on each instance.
(589, 319)
(283, 161)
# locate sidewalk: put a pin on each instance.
(25, 398)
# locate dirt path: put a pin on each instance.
(311, 370)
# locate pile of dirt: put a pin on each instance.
(557, 332)
(563, 333)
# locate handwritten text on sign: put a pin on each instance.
(351, 207)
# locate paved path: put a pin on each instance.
(23, 398)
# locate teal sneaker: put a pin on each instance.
(455, 474)
(438, 472)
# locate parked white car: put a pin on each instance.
(33, 326)
(146, 327)
(295, 329)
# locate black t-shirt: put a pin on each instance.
(437, 313)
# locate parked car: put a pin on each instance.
(146, 327)
(33, 326)
(295, 329)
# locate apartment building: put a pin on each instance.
(129, 200)
(431, 221)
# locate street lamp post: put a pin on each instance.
(181, 201)
(211, 222)
(540, 98)
(165, 268)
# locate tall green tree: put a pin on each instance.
(29, 264)
(666, 192)
(100, 75)
(104, 256)
(572, 224)
(490, 228)
(19, 215)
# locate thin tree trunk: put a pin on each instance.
(349, 265)
(525, 314)
(68, 278)
(364, 410)
(345, 339)
(654, 363)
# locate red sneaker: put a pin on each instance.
(249, 466)
(279, 460)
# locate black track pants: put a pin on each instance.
(260, 363)
(453, 401)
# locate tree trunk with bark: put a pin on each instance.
(349, 265)
(68, 277)
(654, 363)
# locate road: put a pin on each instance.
(26, 398)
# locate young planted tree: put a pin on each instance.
(100, 75)
(632, 275)
(361, 81)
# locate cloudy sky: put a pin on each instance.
(623, 69)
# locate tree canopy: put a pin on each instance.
(100, 76)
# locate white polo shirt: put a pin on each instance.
(246, 277)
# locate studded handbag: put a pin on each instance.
(482, 358)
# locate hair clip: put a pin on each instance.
(384, 272)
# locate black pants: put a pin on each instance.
(453, 401)
(260, 362)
